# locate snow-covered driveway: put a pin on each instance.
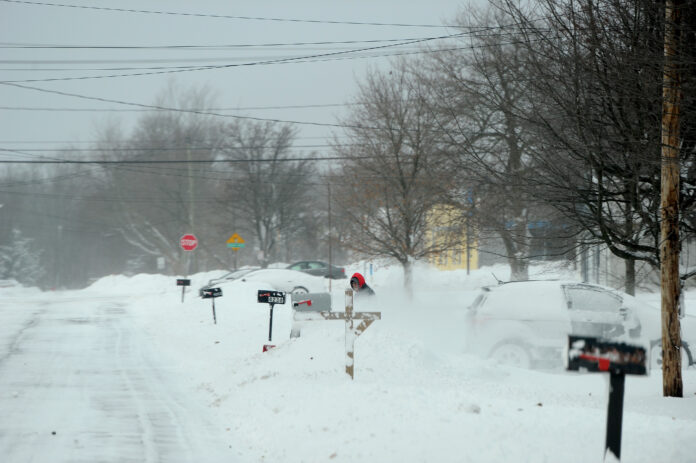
(78, 383)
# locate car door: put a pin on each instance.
(594, 311)
(317, 268)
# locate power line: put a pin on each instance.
(10, 45)
(180, 148)
(221, 16)
(20, 142)
(164, 108)
(241, 108)
(208, 59)
(178, 161)
(227, 66)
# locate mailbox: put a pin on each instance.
(271, 297)
(593, 354)
(211, 292)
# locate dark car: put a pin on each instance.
(319, 268)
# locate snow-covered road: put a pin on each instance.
(78, 383)
(125, 371)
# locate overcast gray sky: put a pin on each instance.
(33, 118)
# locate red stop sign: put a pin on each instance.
(188, 242)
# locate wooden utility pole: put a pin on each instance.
(669, 204)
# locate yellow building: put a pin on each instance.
(440, 229)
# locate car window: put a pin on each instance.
(592, 299)
(316, 265)
(299, 266)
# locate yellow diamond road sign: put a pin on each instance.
(235, 242)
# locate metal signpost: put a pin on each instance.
(183, 282)
(235, 242)
(618, 359)
(187, 242)
(271, 298)
(212, 293)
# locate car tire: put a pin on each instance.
(656, 355)
(299, 290)
(512, 353)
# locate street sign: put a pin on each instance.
(235, 242)
(188, 242)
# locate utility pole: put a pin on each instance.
(669, 204)
(193, 260)
(328, 185)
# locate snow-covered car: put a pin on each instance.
(527, 323)
(229, 276)
(9, 283)
(288, 281)
(651, 320)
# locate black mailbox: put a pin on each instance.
(271, 297)
(211, 292)
(593, 354)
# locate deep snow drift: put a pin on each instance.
(416, 396)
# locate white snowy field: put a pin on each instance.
(124, 371)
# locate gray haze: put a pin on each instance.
(330, 81)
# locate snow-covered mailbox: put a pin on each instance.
(307, 307)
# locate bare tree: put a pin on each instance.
(476, 97)
(594, 71)
(268, 191)
(157, 204)
(390, 181)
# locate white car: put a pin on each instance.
(288, 281)
(527, 323)
(229, 276)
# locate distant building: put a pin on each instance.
(443, 222)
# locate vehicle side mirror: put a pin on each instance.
(624, 312)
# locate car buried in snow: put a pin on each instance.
(651, 319)
(527, 323)
(279, 279)
(226, 277)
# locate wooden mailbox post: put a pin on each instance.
(352, 331)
